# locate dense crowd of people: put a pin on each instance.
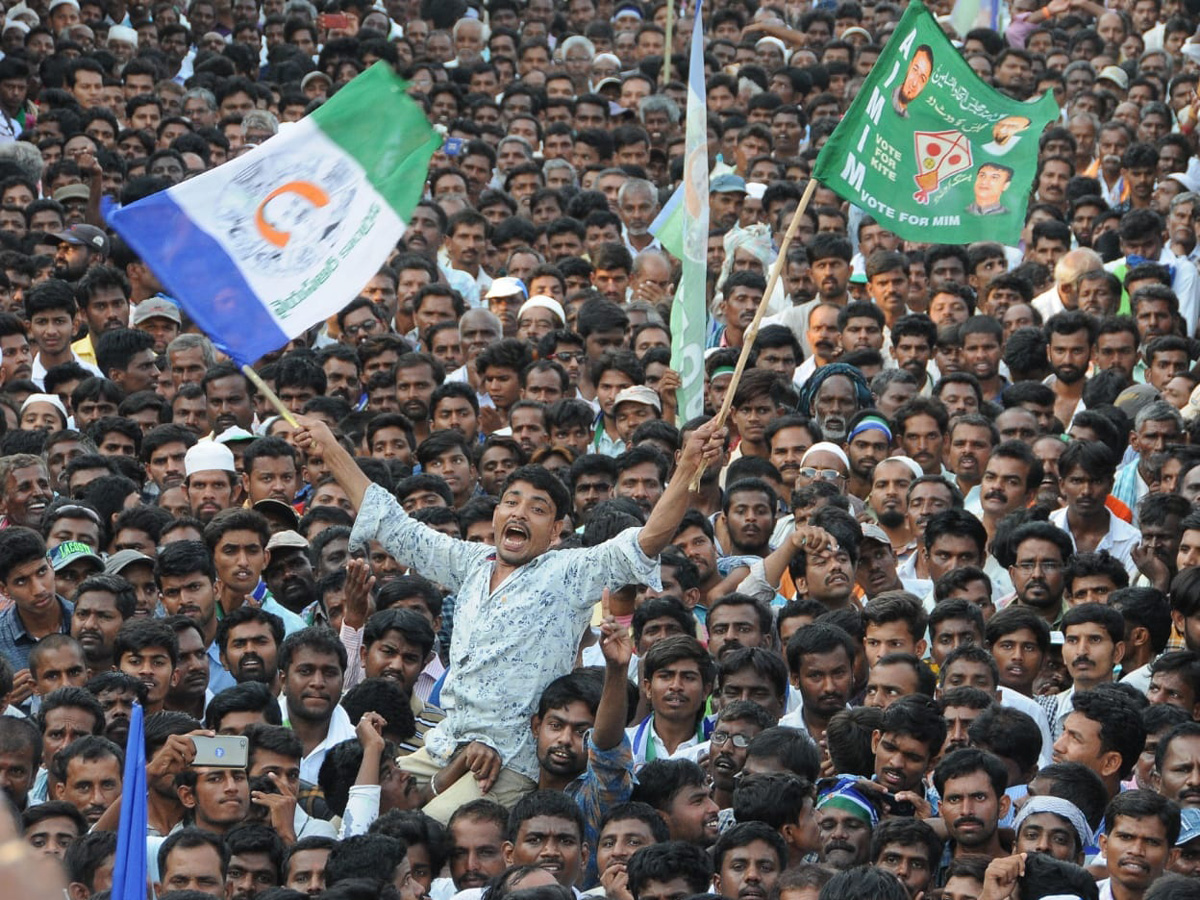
(486, 615)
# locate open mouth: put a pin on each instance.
(514, 537)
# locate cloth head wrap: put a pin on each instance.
(847, 796)
(1064, 809)
(808, 393)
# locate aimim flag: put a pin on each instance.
(264, 247)
(930, 150)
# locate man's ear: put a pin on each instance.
(1110, 763)
(186, 795)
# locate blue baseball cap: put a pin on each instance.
(1189, 825)
(728, 183)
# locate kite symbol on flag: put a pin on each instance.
(940, 154)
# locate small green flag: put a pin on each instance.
(930, 150)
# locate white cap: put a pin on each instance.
(638, 393)
(506, 286)
(773, 41)
(233, 434)
(1116, 75)
(122, 33)
(755, 189)
(541, 301)
(54, 4)
(208, 456)
(52, 399)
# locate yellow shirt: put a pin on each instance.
(83, 350)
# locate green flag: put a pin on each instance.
(929, 150)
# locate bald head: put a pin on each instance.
(1072, 266)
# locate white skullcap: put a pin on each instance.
(828, 448)
(541, 301)
(208, 456)
(123, 33)
(52, 399)
(774, 41)
(913, 465)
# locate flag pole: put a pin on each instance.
(272, 397)
(666, 66)
(752, 332)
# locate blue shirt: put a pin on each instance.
(16, 641)
(607, 782)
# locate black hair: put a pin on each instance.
(1008, 733)
(1142, 804)
(864, 881)
(372, 856)
(668, 861)
(555, 804)
(796, 751)
(906, 833)
(966, 761)
(818, 638)
(249, 696)
(1120, 720)
(745, 833)
(776, 798)
(141, 634)
(318, 639)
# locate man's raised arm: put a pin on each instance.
(703, 447)
(317, 440)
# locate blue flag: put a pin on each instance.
(129, 867)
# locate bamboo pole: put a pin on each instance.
(272, 397)
(752, 331)
(666, 62)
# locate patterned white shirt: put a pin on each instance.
(511, 642)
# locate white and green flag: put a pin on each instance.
(682, 227)
(266, 246)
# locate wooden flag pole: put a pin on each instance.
(752, 332)
(666, 60)
(272, 397)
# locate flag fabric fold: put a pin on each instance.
(930, 150)
(130, 864)
(273, 242)
(682, 228)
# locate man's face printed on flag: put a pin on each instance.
(917, 75)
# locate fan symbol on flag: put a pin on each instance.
(940, 154)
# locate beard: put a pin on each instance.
(891, 518)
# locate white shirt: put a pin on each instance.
(340, 730)
(1049, 302)
(641, 735)
(510, 641)
(1120, 539)
(795, 718)
(38, 375)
